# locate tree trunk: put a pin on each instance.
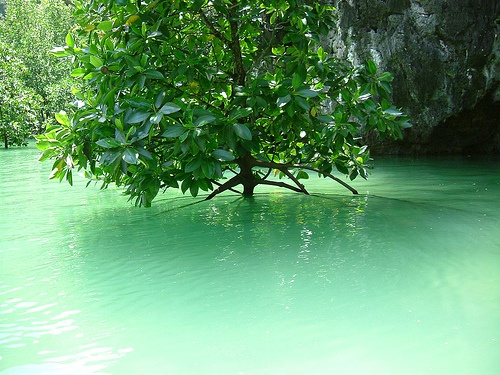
(248, 188)
(246, 175)
(6, 141)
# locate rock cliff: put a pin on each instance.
(445, 55)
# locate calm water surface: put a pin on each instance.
(402, 279)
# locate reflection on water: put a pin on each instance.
(402, 280)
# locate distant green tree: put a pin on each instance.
(18, 103)
(182, 93)
(30, 28)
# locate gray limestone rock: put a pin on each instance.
(445, 55)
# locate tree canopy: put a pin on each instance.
(35, 84)
(208, 95)
(18, 102)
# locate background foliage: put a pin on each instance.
(35, 84)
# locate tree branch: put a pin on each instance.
(294, 179)
(282, 167)
(228, 185)
(346, 185)
(212, 28)
(282, 184)
(231, 189)
(239, 72)
(267, 174)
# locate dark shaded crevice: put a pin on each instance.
(474, 131)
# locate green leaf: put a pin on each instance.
(62, 118)
(307, 93)
(206, 119)
(386, 77)
(120, 136)
(41, 144)
(370, 105)
(242, 131)
(185, 185)
(192, 165)
(154, 74)
(108, 143)
(193, 189)
(90, 77)
(109, 98)
(238, 113)
(139, 103)
(70, 42)
(302, 103)
(169, 108)
(159, 99)
(174, 131)
(143, 131)
(156, 118)
(105, 26)
(325, 118)
(371, 68)
(109, 157)
(137, 117)
(302, 175)
(69, 176)
(296, 81)
(353, 174)
(47, 154)
(142, 151)
(283, 100)
(341, 167)
(222, 155)
(78, 72)
(261, 102)
(279, 50)
(130, 156)
(196, 5)
(322, 55)
(96, 61)
(208, 168)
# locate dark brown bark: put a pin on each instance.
(247, 178)
(239, 70)
(228, 185)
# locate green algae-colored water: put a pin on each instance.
(402, 279)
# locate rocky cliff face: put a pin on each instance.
(445, 55)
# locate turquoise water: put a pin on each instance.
(402, 279)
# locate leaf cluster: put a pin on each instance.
(176, 93)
